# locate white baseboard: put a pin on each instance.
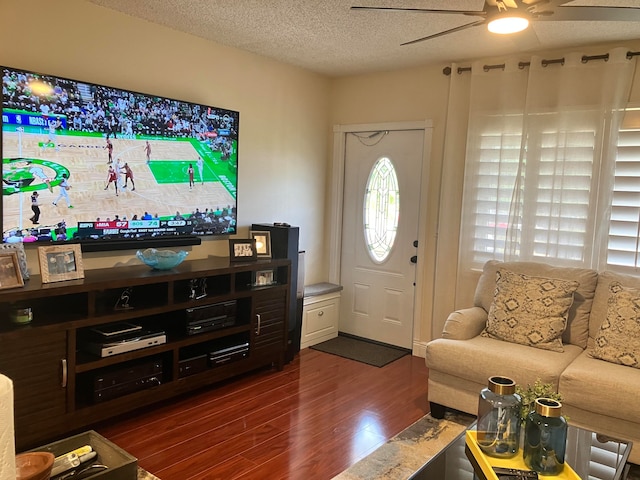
(419, 349)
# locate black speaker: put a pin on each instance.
(285, 244)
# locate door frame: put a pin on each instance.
(336, 203)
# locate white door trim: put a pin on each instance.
(336, 204)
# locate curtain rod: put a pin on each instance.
(521, 65)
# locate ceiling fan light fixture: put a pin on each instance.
(507, 24)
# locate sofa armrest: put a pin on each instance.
(465, 324)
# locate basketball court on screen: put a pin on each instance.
(161, 186)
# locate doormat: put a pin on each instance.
(361, 350)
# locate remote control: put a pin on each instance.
(514, 474)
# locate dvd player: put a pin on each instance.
(209, 324)
(210, 317)
(106, 347)
(228, 354)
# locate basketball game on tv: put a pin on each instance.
(83, 162)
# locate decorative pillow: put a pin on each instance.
(618, 340)
(530, 310)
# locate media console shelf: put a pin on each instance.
(61, 386)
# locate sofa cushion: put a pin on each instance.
(530, 310)
(478, 359)
(602, 387)
(618, 340)
(577, 330)
(601, 299)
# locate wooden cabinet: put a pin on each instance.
(37, 365)
(320, 313)
(55, 375)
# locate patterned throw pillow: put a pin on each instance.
(618, 340)
(530, 310)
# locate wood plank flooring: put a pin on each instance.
(312, 420)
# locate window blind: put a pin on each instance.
(624, 228)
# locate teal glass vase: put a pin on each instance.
(545, 437)
(498, 426)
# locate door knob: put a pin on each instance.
(414, 259)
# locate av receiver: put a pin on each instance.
(124, 380)
(210, 317)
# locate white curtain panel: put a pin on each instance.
(539, 161)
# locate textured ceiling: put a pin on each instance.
(327, 37)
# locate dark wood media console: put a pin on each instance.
(55, 377)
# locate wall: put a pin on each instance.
(284, 111)
(418, 94)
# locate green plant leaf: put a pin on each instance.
(529, 394)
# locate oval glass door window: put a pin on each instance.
(381, 209)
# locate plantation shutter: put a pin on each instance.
(558, 192)
(624, 229)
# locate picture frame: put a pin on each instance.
(60, 262)
(242, 250)
(264, 278)
(263, 243)
(22, 257)
(10, 275)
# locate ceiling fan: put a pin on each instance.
(511, 16)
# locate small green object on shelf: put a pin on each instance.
(161, 259)
(530, 393)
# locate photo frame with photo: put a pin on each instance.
(60, 262)
(22, 257)
(10, 275)
(263, 278)
(242, 250)
(263, 243)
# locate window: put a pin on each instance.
(623, 252)
(552, 191)
(494, 180)
(541, 161)
(381, 209)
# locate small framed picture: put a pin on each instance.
(60, 262)
(22, 257)
(10, 276)
(263, 243)
(242, 250)
(263, 278)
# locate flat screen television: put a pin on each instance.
(111, 168)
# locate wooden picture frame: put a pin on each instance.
(264, 278)
(242, 250)
(60, 262)
(263, 243)
(22, 257)
(10, 275)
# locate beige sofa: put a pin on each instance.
(597, 394)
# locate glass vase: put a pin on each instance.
(498, 426)
(545, 437)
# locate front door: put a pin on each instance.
(383, 174)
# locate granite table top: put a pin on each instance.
(408, 451)
(144, 475)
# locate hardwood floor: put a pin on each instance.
(312, 420)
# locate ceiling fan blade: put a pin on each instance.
(588, 13)
(446, 32)
(475, 13)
